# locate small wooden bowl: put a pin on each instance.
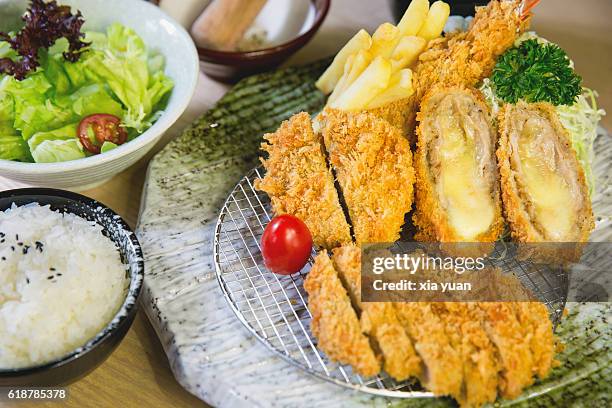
(229, 66)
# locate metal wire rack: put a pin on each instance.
(274, 308)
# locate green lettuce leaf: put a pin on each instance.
(90, 99)
(64, 133)
(124, 66)
(12, 147)
(50, 151)
(107, 146)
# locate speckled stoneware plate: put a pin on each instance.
(211, 353)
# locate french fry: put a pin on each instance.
(370, 83)
(400, 87)
(342, 83)
(384, 40)
(354, 66)
(414, 17)
(435, 21)
(407, 52)
(332, 74)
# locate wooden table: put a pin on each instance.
(138, 374)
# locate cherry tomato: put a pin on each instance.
(286, 244)
(96, 129)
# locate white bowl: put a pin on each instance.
(160, 33)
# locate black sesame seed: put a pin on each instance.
(26, 249)
(39, 246)
(16, 237)
(4, 258)
(50, 277)
(58, 274)
(28, 281)
(12, 248)
(52, 269)
(2, 235)
(2, 241)
(20, 243)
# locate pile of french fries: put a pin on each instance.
(373, 71)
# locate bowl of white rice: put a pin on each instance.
(71, 272)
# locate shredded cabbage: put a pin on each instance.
(580, 120)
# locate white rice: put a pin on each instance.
(61, 282)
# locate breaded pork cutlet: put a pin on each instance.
(373, 165)
(378, 319)
(535, 321)
(334, 322)
(469, 338)
(513, 347)
(457, 188)
(299, 183)
(544, 192)
(443, 366)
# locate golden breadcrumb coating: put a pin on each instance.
(431, 216)
(378, 319)
(536, 324)
(373, 165)
(443, 373)
(299, 183)
(513, 348)
(518, 208)
(469, 338)
(398, 114)
(334, 322)
(470, 351)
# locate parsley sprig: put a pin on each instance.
(536, 72)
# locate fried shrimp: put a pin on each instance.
(544, 191)
(457, 189)
(299, 183)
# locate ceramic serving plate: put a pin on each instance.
(211, 353)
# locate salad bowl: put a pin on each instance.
(161, 35)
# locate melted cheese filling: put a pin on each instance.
(461, 187)
(547, 189)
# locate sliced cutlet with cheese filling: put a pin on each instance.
(334, 321)
(372, 162)
(299, 183)
(378, 319)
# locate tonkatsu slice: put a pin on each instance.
(469, 338)
(512, 343)
(544, 191)
(373, 165)
(334, 321)
(378, 319)
(457, 187)
(443, 368)
(299, 182)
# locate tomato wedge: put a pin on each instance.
(286, 244)
(96, 129)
